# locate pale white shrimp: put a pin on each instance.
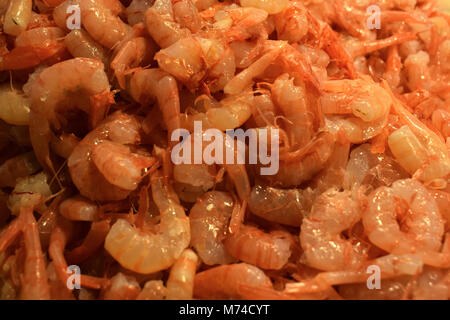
(180, 284)
(161, 24)
(19, 166)
(153, 290)
(231, 113)
(81, 45)
(14, 106)
(228, 282)
(78, 208)
(102, 24)
(102, 167)
(193, 60)
(147, 252)
(367, 168)
(323, 246)
(30, 191)
(209, 219)
(17, 16)
(264, 250)
(405, 218)
(285, 206)
(121, 287)
(271, 6)
(195, 175)
(416, 147)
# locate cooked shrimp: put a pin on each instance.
(144, 252)
(180, 285)
(264, 250)
(271, 6)
(57, 90)
(293, 102)
(36, 36)
(102, 23)
(285, 206)
(135, 52)
(19, 166)
(231, 113)
(34, 281)
(30, 191)
(17, 17)
(308, 162)
(78, 208)
(135, 12)
(161, 24)
(416, 147)
(102, 167)
(324, 248)
(227, 282)
(121, 287)
(406, 219)
(148, 85)
(14, 106)
(292, 23)
(209, 219)
(153, 290)
(81, 45)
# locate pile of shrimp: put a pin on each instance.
(93, 207)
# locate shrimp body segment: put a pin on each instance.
(144, 252)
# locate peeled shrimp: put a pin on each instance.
(324, 248)
(17, 16)
(228, 282)
(209, 219)
(406, 219)
(102, 167)
(161, 24)
(81, 45)
(285, 206)
(102, 23)
(79, 83)
(144, 252)
(180, 285)
(264, 250)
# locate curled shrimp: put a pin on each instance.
(264, 250)
(17, 16)
(180, 285)
(14, 106)
(324, 248)
(103, 159)
(78, 208)
(209, 219)
(154, 84)
(102, 23)
(81, 45)
(416, 147)
(228, 282)
(231, 112)
(135, 52)
(405, 218)
(147, 252)
(285, 206)
(56, 90)
(161, 24)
